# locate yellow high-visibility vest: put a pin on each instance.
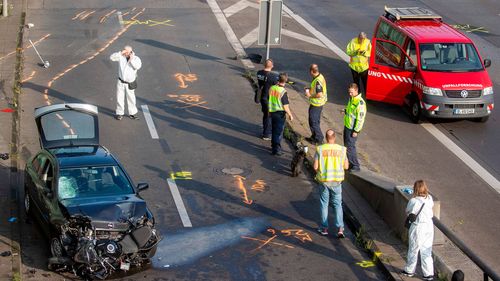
(359, 62)
(322, 100)
(355, 113)
(331, 159)
(275, 94)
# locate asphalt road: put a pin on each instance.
(206, 121)
(407, 152)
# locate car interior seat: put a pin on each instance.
(428, 55)
(448, 55)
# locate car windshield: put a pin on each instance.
(449, 57)
(92, 181)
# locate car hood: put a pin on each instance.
(107, 210)
(456, 80)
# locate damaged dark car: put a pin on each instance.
(85, 202)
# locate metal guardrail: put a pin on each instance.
(487, 271)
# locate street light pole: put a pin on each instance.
(268, 35)
(5, 9)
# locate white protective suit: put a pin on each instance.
(421, 235)
(127, 71)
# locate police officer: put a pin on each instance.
(359, 49)
(330, 162)
(265, 78)
(278, 108)
(354, 118)
(317, 95)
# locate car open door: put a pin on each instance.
(66, 125)
(391, 72)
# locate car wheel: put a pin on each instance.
(27, 203)
(56, 248)
(415, 110)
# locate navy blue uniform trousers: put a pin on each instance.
(278, 125)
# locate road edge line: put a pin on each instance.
(230, 35)
(462, 155)
(181, 209)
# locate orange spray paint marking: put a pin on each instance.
(29, 77)
(270, 243)
(61, 74)
(105, 17)
(241, 186)
(181, 78)
(29, 46)
(297, 233)
(78, 15)
(259, 185)
(87, 15)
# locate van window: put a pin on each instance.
(411, 50)
(387, 32)
(388, 54)
(449, 57)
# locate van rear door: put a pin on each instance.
(391, 72)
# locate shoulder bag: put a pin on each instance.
(412, 217)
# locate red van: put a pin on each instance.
(419, 61)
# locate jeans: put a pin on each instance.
(350, 144)
(331, 192)
(363, 76)
(314, 123)
(266, 118)
(278, 125)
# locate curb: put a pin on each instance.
(15, 177)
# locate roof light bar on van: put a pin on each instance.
(411, 13)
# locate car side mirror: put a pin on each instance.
(142, 186)
(410, 67)
(487, 63)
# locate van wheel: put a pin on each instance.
(56, 247)
(482, 119)
(415, 110)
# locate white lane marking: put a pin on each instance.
(179, 204)
(149, 121)
(231, 37)
(235, 8)
(250, 38)
(301, 37)
(469, 161)
(316, 33)
(455, 149)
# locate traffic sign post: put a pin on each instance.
(270, 18)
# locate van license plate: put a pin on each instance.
(463, 111)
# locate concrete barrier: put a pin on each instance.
(389, 201)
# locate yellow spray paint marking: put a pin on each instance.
(259, 185)
(148, 22)
(470, 28)
(181, 175)
(365, 264)
(181, 78)
(241, 186)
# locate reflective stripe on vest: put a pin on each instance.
(275, 94)
(359, 63)
(324, 97)
(331, 162)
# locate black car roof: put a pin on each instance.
(83, 156)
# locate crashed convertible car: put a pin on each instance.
(85, 202)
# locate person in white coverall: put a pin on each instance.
(421, 233)
(129, 63)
